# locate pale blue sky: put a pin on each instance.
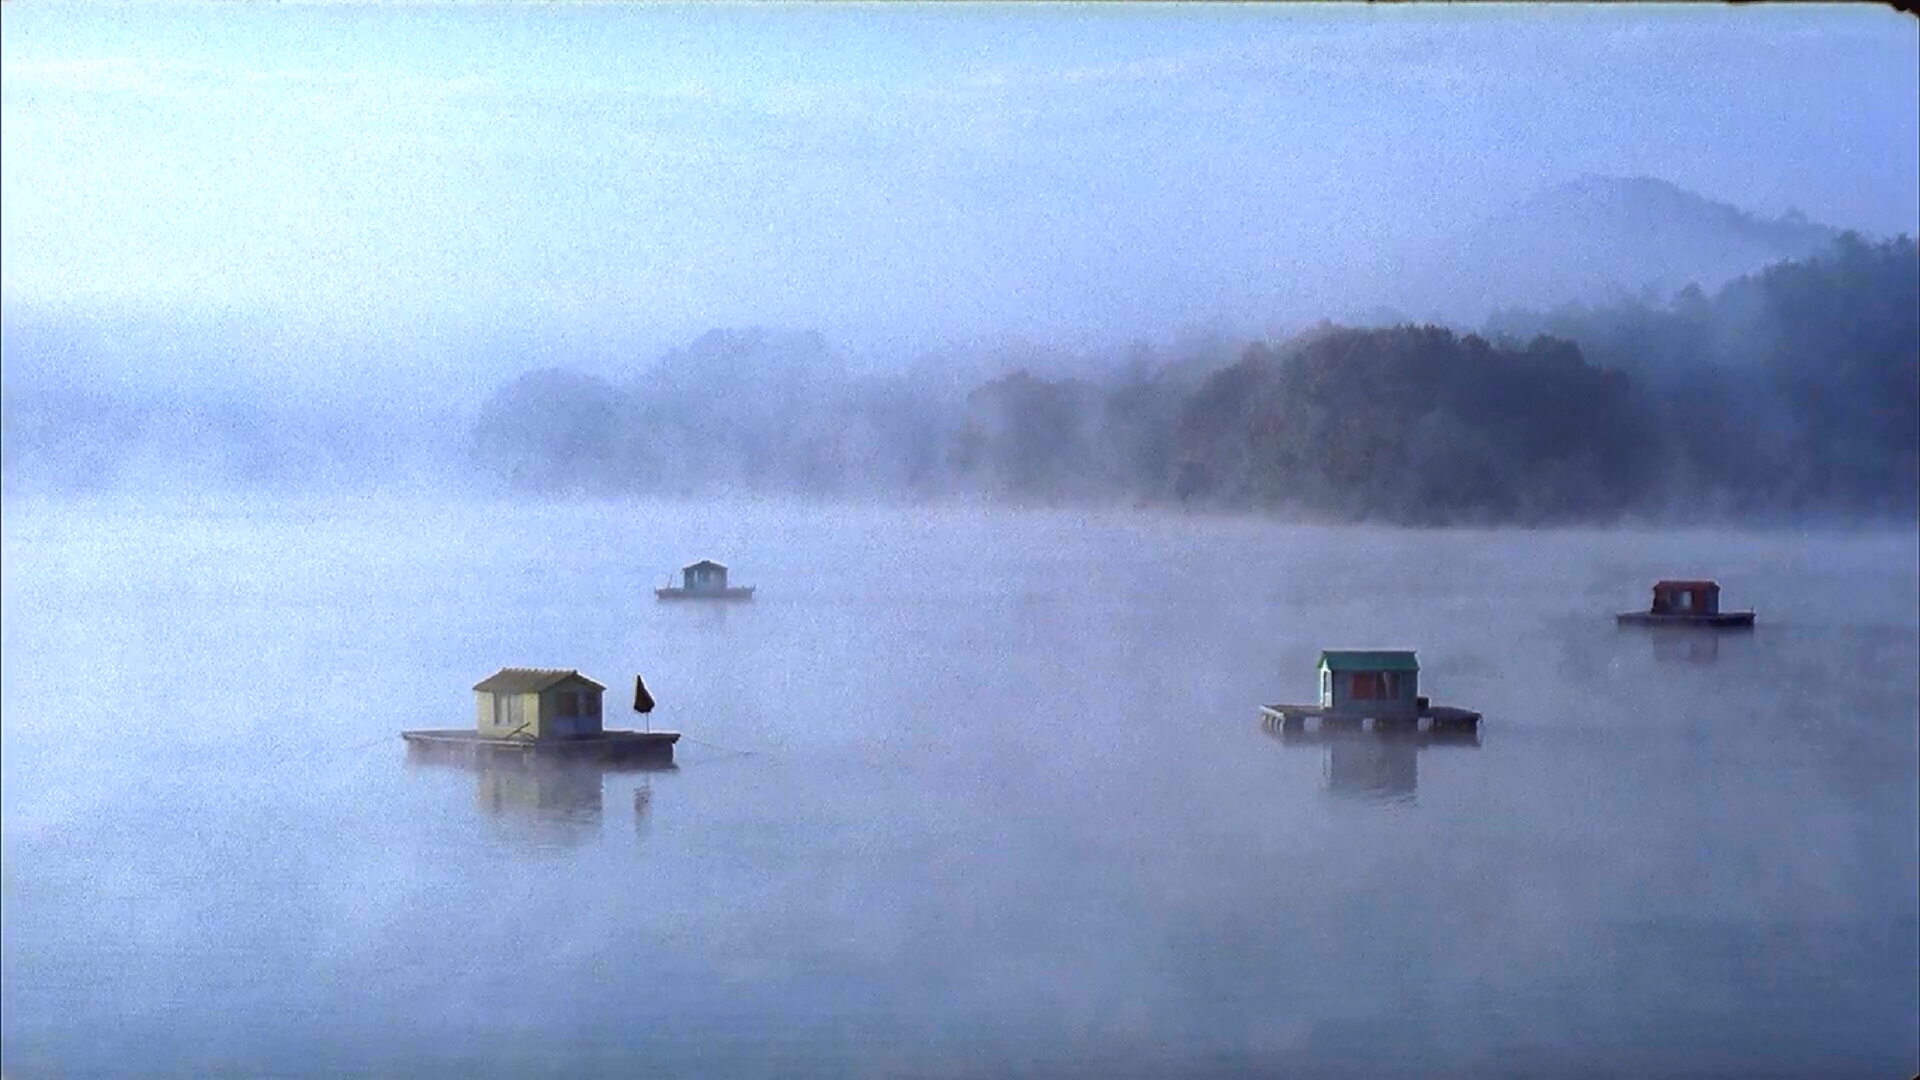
(885, 173)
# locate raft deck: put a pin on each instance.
(670, 593)
(613, 746)
(1720, 620)
(1439, 719)
(1388, 736)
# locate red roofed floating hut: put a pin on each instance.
(1686, 603)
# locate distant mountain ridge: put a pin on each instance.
(1630, 200)
(1598, 238)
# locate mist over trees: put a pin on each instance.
(1793, 390)
(1416, 424)
(735, 411)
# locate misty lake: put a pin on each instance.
(961, 794)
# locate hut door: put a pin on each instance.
(566, 713)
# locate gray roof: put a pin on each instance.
(708, 563)
(520, 680)
(1375, 660)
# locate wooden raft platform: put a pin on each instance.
(1439, 719)
(743, 593)
(610, 746)
(1724, 620)
(1387, 736)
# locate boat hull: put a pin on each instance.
(1725, 620)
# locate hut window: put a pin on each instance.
(509, 710)
(590, 704)
(567, 703)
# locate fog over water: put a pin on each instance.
(962, 794)
(1065, 378)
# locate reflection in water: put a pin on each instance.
(1380, 766)
(642, 806)
(1376, 768)
(1686, 646)
(698, 612)
(539, 789)
(568, 792)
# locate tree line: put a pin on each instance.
(1793, 390)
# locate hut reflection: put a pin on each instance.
(541, 790)
(1374, 768)
(1380, 766)
(1685, 646)
(519, 785)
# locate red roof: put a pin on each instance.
(1686, 585)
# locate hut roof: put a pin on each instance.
(1375, 660)
(707, 563)
(1663, 585)
(519, 680)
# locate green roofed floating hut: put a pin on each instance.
(704, 580)
(1378, 685)
(552, 712)
(1381, 683)
(1686, 603)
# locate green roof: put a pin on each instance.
(530, 680)
(1352, 660)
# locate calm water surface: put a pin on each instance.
(962, 794)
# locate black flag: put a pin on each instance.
(642, 701)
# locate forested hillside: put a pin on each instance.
(1794, 390)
